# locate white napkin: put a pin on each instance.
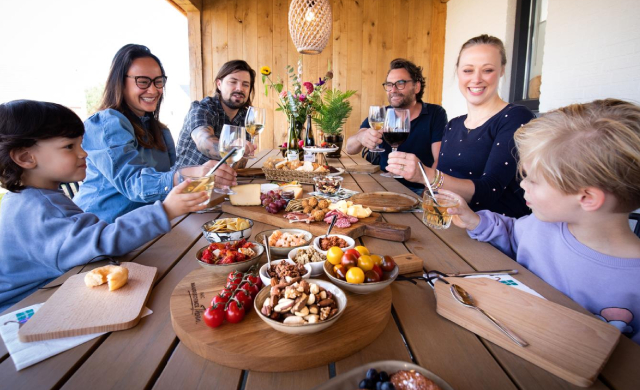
(28, 354)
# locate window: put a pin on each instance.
(528, 51)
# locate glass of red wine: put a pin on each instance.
(397, 124)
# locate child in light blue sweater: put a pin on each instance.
(43, 233)
(581, 176)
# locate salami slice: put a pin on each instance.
(343, 223)
(353, 219)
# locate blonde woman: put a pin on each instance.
(476, 158)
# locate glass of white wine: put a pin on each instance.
(254, 123)
(230, 137)
(376, 120)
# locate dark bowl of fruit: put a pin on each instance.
(360, 274)
(225, 257)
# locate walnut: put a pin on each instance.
(318, 215)
(313, 202)
(324, 313)
(323, 204)
(307, 210)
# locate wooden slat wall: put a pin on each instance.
(366, 36)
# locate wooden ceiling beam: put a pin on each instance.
(185, 6)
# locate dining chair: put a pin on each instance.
(70, 189)
(634, 222)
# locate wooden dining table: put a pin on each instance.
(151, 356)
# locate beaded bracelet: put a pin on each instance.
(440, 182)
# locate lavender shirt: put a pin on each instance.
(609, 287)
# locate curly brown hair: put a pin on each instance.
(25, 122)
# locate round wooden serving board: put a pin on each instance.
(254, 345)
(389, 202)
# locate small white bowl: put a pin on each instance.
(226, 268)
(266, 280)
(316, 266)
(338, 294)
(349, 240)
(361, 288)
(282, 252)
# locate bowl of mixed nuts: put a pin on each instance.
(284, 270)
(309, 255)
(303, 307)
(328, 185)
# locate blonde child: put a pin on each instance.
(581, 175)
(43, 233)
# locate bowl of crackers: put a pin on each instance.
(227, 229)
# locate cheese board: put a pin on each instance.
(370, 226)
(571, 345)
(252, 345)
(75, 309)
(388, 202)
(365, 168)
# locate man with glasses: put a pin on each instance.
(198, 140)
(405, 88)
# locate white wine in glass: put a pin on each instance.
(254, 123)
(230, 137)
(376, 120)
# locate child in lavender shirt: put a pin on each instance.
(43, 233)
(581, 175)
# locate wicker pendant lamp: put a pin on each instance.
(310, 25)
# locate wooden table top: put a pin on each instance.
(151, 356)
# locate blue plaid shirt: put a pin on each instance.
(207, 112)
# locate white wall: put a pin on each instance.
(592, 51)
(467, 19)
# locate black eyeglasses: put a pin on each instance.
(400, 84)
(144, 82)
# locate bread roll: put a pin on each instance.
(115, 275)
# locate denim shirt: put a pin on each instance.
(122, 175)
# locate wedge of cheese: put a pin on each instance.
(297, 190)
(246, 195)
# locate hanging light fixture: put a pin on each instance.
(310, 25)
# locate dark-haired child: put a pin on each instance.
(43, 233)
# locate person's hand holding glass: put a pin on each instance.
(230, 137)
(254, 123)
(376, 120)
(396, 128)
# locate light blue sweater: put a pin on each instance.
(43, 234)
(608, 287)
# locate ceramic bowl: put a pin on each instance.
(338, 294)
(266, 280)
(362, 288)
(316, 266)
(223, 237)
(226, 268)
(349, 240)
(278, 252)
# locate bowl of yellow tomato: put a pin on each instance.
(358, 271)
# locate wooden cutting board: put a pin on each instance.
(253, 345)
(369, 226)
(76, 309)
(368, 168)
(388, 202)
(571, 345)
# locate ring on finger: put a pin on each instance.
(402, 167)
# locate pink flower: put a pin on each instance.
(302, 98)
(301, 143)
(283, 94)
(309, 87)
(284, 145)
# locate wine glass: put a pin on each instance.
(230, 137)
(376, 120)
(254, 123)
(397, 124)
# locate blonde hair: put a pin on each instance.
(485, 39)
(595, 144)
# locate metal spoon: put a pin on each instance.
(433, 196)
(266, 244)
(225, 158)
(462, 296)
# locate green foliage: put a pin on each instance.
(334, 111)
(93, 97)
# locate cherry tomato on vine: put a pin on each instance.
(251, 288)
(234, 312)
(233, 275)
(221, 298)
(255, 280)
(244, 297)
(214, 315)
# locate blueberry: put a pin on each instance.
(372, 374)
(387, 386)
(365, 384)
(383, 376)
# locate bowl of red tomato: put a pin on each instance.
(224, 257)
(353, 273)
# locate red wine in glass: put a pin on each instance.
(395, 139)
(397, 124)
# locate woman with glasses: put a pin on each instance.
(477, 159)
(131, 154)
